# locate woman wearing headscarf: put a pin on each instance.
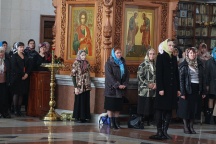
(192, 85)
(167, 82)
(81, 79)
(20, 70)
(116, 82)
(211, 85)
(4, 82)
(146, 75)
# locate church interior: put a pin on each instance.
(48, 118)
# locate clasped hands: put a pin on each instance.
(25, 76)
(122, 86)
(77, 91)
(152, 86)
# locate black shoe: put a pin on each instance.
(6, 115)
(159, 135)
(187, 131)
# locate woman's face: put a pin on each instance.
(42, 49)
(170, 46)
(118, 54)
(191, 55)
(20, 49)
(83, 56)
(151, 55)
(2, 55)
(175, 53)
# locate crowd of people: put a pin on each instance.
(16, 66)
(167, 83)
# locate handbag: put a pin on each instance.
(135, 122)
(104, 119)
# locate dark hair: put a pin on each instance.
(31, 40)
(20, 44)
(4, 42)
(83, 13)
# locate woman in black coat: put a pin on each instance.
(192, 85)
(116, 82)
(20, 70)
(167, 81)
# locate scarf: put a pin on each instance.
(192, 63)
(214, 53)
(83, 63)
(165, 47)
(118, 62)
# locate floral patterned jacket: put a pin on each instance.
(146, 74)
(83, 81)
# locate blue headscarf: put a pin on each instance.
(118, 62)
(214, 53)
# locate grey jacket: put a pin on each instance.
(113, 79)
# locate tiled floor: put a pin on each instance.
(29, 130)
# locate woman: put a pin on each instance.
(41, 57)
(192, 85)
(81, 79)
(116, 82)
(211, 85)
(4, 82)
(167, 81)
(146, 75)
(20, 71)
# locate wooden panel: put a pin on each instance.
(39, 94)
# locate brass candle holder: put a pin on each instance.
(53, 67)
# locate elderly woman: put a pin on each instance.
(81, 79)
(167, 82)
(4, 81)
(146, 75)
(192, 85)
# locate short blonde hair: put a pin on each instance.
(2, 50)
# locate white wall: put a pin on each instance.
(20, 19)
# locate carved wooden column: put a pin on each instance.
(54, 26)
(107, 32)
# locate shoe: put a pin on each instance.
(158, 136)
(187, 131)
(6, 115)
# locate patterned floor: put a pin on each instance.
(30, 130)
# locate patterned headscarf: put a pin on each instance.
(2, 50)
(14, 48)
(84, 63)
(193, 63)
(118, 62)
(165, 47)
(214, 53)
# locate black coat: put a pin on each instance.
(211, 76)
(113, 79)
(8, 69)
(185, 79)
(19, 67)
(167, 79)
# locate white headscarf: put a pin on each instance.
(160, 48)
(2, 60)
